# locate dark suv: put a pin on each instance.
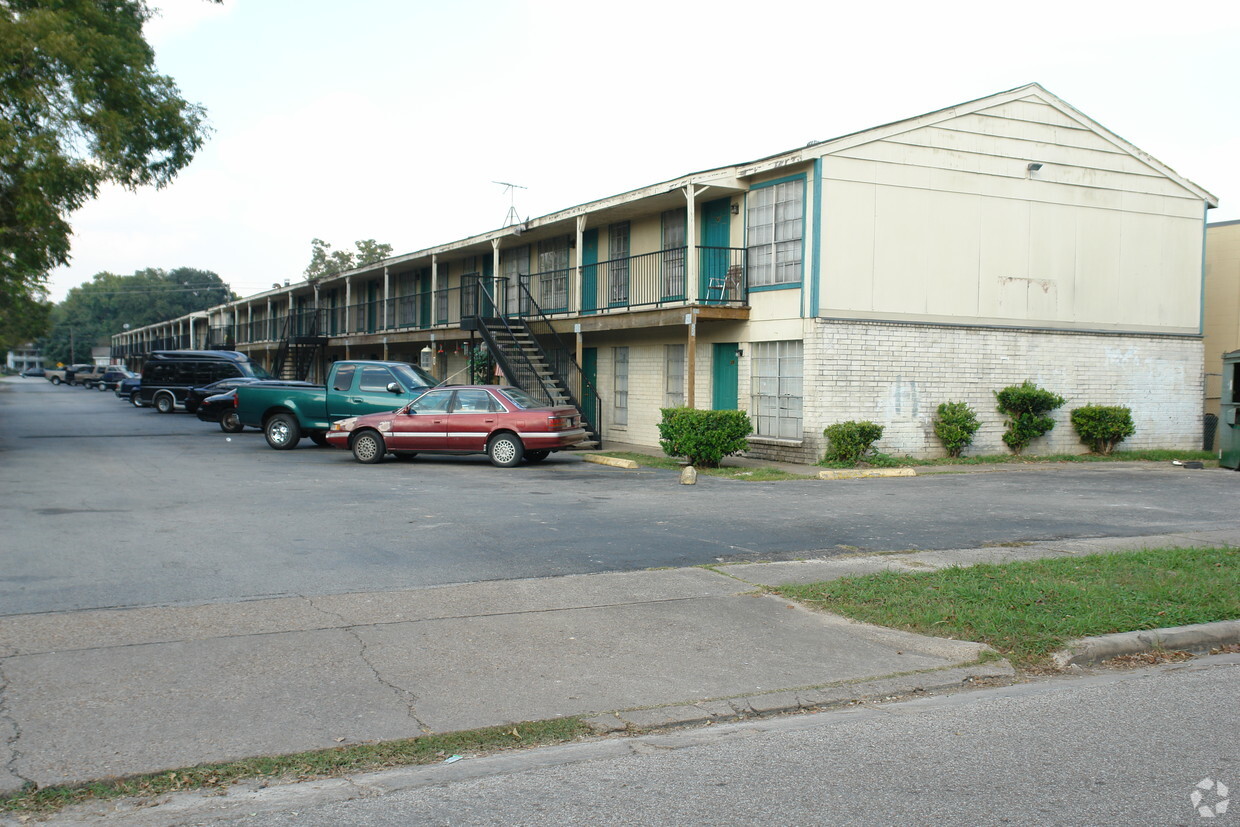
(168, 375)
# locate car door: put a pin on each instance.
(422, 425)
(474, 415)
(370, 393)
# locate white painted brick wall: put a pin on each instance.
(897, 375)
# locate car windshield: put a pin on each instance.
(413, 377)
(256, 371)
(521, 398)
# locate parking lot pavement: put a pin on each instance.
(108, 693)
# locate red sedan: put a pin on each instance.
(505, 423)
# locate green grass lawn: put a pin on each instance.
(732, 472)
(427, 749)
(1029, 609)
(881, 460)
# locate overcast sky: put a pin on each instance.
(390, 119)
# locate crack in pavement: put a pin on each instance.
(10, 722)
(408, 698)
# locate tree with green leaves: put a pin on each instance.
(93, 312)
(23, 318)
(81, 105)
(325, 262)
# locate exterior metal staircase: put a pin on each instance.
(301, 346)
(536, 359)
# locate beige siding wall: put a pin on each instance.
(945, 223)
(1221, 322)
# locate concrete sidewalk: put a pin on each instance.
(95, 694)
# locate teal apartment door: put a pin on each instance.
(589, 271)
(725, 376)
(589, 372)
(716, 257)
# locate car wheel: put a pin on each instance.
(319, 438)
(164, 403)
(136, 400)
(536, 456)
(230, 423)
(102, 387)
(368, 447)
(282, 432)
(55, 380)
(505, 450)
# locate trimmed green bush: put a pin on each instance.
(704, 437)
(1102, 427)
(1027, 408)
(955, 426)
(851, 441)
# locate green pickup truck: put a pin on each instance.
(286, 413)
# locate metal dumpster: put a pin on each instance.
(1228, 426)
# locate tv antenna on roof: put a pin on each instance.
(512, 217)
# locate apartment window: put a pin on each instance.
(673, 376)
(673, 263)
(777, 389)
(618, 263)
(776, 229)
(620, 385)
(553, 274)
(513, 264)
(470, 294)
(441, 294)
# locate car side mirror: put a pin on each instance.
(394, 388)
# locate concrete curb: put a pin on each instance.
(807, 699)
(864, 473)
(615, 462)
(1201, 637)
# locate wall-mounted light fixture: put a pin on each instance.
(740, 353)
(1034, 167)
(736, 208)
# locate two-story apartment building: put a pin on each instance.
(871, 276)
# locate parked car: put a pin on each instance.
(64, 374)
(112, 377)
(503, 422)
(286, 412)
(36, 371)
(168, 375)
(222, 407)
(130, 389)
(195, 396)
(89, 375)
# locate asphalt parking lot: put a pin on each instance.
(109, 506)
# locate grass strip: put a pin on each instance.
(301, 766)
(1027, 610)
(881, 460)
(732, 472)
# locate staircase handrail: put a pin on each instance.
(595, 417)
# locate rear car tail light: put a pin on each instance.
(559, 423)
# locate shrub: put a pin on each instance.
(955, 426)
(851, 441)
(1027, 407)
(1102, 427)
(703, 437)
